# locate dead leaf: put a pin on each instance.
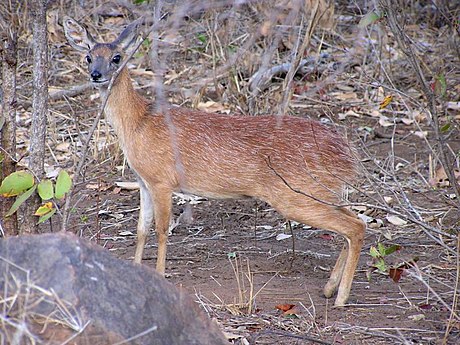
(266, 28)
(385, 122)
(417, 317)
(127, 185)
(98, 186)
(440, 178)
(387, 234)
(396, 273)
(293, 312)
(388, 199)
(365, 218)
(142, 73)
(264, 227)
(395, 220)
(54, 29)
(359, 208)
(343, 116)
(375, 223)
(407, 121)
(285, 307)
(420, 134)
(346, 96)
(386, 101)
(281, 237)
(232, 336)
(453, 105)
(426, 306)
(63, 147)
(116, 190)
(418, 116)
(51, 171)
(375, 113)
(213, 107)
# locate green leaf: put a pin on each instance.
(440, 85)
(232, 49)
(392, 249)
(381, 248)
(445, 128)
(16, 183)
(368, 19)
(44, 209)
(47, 216)
(202, 38)
(146, 42)
(20, 200)
(381, 266)
(231, 255)
(63, 184)
(373, 252)
(45, 189)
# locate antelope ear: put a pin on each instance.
(77, 35)
(129, 34)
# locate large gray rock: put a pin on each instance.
(58, 286)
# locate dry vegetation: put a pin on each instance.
(303, 58)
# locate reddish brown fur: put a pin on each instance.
(229, 156)
(310, 156)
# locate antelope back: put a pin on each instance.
(224, 156)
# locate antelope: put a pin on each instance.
(298, 166)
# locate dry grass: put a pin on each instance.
(29, 313)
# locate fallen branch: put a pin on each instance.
(261, 79)
(70, 92)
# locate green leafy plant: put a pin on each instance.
(370, 18)
(21, 184)
(395, 272)
(378, 255)
(439, 85)
(203, 38)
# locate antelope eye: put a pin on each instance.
(88, 59)
(116, 59)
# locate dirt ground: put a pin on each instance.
(229, 255)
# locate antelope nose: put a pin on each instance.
(96, 75)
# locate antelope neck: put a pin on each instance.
(125, 107)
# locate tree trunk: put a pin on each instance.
(8, 115)
(40, 108)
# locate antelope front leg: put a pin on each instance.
(145, 220)
(162, 200)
